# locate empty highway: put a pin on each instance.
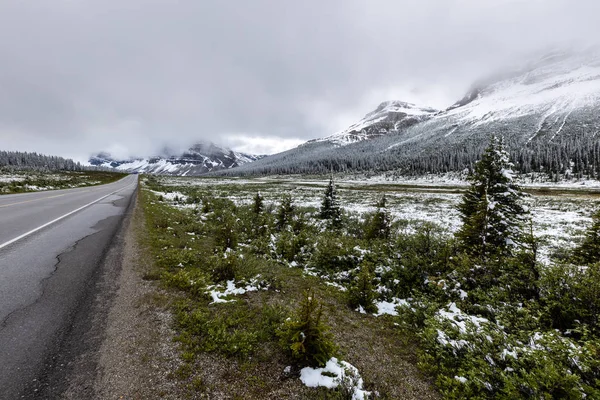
(52, 248)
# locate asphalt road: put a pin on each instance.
(52, 245)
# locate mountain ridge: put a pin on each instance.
(200, 158)
(547, 111)
(389, 116)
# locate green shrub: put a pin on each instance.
(224, 229)
(290, 245)
(224, 266)
(335, 253)
(570, 296)
(589, 251)
(330, 207)
(192, 280)
(481, 360)
(258, 205)
(231, 333)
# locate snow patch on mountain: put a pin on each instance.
(198, 159)
(546, 92)
(389, 116)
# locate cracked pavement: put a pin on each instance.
(46, 277)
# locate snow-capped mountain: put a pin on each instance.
(198, 159)
(558, 94)
(548, 111)
(388, 117)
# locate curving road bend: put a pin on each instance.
(51, 247)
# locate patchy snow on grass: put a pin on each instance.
(334, 374)
(11, 178)
(255, 284)
(460, 319)
(389, 308)
(171, 196)
(557, 219)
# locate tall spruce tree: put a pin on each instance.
(330, 208)
(491, 210)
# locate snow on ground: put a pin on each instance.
(171, 196)
(557, 219)
(336, 373)
(387, 307)
(232, 289)
(460, 319)
(11, 178)
(459, 179)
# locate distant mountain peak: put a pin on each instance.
(200, 158)
(390, 116)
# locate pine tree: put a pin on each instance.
(362, 293)
(305, 336)
(491, 209)
(330, 208)
(379, 224)
(589, 251)
(285, 212)
(258, 206)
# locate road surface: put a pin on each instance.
(51, 247)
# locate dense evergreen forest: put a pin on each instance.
(17, 160)
(573, 156)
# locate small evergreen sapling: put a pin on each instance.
(330, 208)
(305, 337)
(491, 209)
(379, 224)
(285, 212)
(258, 205)
(362, 293)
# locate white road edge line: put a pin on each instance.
(59, 218)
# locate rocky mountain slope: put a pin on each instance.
(548, 111)
(198, 159)
(388, 117)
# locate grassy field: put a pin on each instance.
(238, 278)
(32, 181)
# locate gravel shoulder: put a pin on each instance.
(137, 353)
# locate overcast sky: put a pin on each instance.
(133, 76)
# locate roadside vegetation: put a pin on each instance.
(18, 181)
(277, 298)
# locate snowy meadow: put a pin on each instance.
(559, 216)
(358, 302)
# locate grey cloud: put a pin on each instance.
(133, 75)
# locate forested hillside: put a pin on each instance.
(547, 113)
(576, 156)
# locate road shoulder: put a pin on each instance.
(134, 358)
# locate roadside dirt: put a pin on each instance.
(137, 353)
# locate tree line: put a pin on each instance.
(17, 160)
(574, 156)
